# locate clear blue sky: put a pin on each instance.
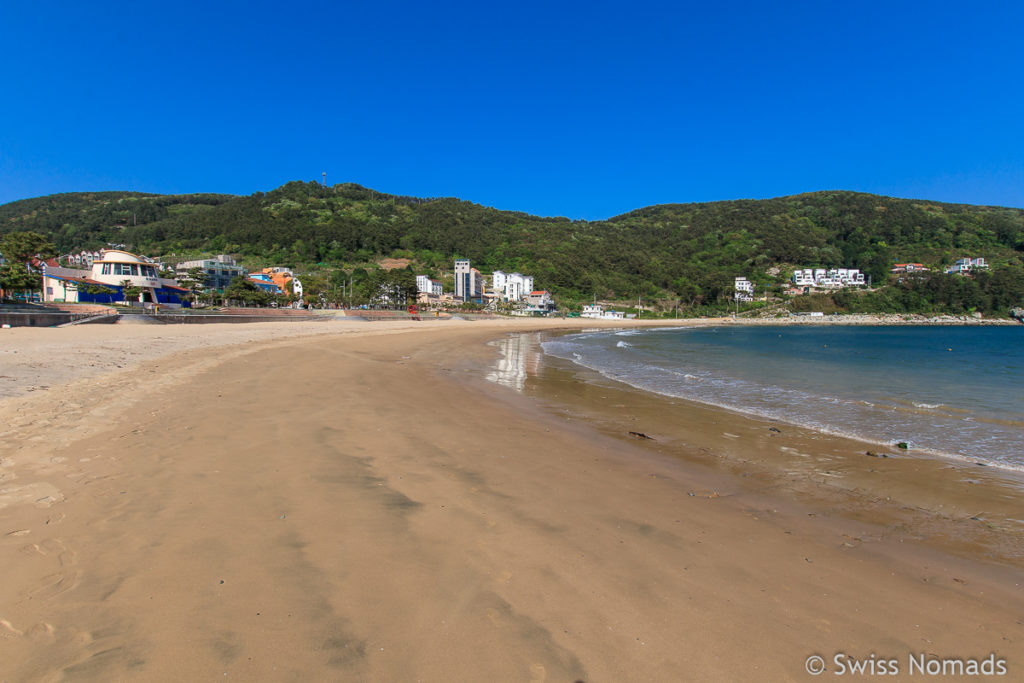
(581, 109)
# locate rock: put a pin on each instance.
(641, 435)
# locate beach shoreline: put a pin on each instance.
(363, 504)
(951, 503)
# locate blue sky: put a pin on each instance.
(579, 109)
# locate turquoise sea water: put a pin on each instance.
(952, 391)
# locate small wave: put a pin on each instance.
(684, 375)
(623, 345)
(928, 406)
(627, 333)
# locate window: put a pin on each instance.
(49, 290)
(106, 269)
(135, 269)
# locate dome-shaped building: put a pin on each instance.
(104, 282)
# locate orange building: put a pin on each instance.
(281, 277)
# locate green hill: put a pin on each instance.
(687, 252)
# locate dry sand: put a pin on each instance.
(351, 501)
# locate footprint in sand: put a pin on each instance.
(538, 673)
(7, 630)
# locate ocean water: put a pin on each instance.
(951, 391)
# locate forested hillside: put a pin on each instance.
(685, 252)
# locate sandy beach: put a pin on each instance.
(343, 500)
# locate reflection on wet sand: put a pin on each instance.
(520, 357)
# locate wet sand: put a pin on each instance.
(362, 505)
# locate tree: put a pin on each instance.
(243, 290)
(194, 280)
(18, 250)
(315, 288)
(130, 291)
(392, 288)
(99, 289)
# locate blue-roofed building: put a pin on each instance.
(265, 282)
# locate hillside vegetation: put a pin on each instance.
(687, 253)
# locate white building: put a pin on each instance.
(803, 277)
(462, 278)
(833, 278)
(598, 312)
(966, 265)
(744, 289)
(84, 259)
(469, 283)
(426, 284)
(498, 282)
(511, 286)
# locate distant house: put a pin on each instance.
(744, 289)
(598, 312)
(281, 277)
(84, 259)
(264, 282)
(965, 266)
(540, 302)
(909, 268)
(511, 286)
(428, 285)
(218, 271)
(831, 278)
